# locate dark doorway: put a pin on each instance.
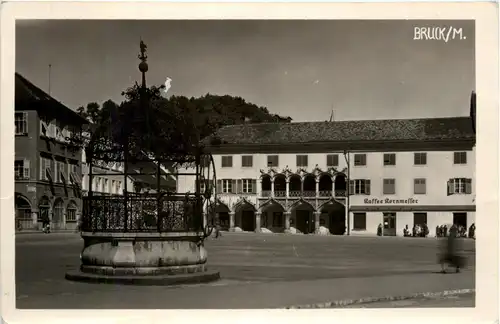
(419, 218)
(304, 221)
(248, 220)
(389, 224)
(460, 219)
(337, 222)
(224, 221)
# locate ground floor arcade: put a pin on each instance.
(62, 212)
(333, 219)
(302, 218)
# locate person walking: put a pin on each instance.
(450, 255)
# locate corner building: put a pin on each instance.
(344, 177)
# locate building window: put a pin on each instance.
(45, 169)
(227, 161)
(460, 157)
(459, 186)
(302, 160)
(419, 218)
(119, 187)
(389, 187)
(277, 219)
(71, 213)
(247, 161)
(359, 159)
(359, 187)
(113, 186)
(419, 186)
(59, 172)
(105, 187)
(272, 160)
(359, 221)
(21, 123)
(248, 185)
(332, 160)
(420, 159)
(227, 186)
(22, 169)
(390, 159)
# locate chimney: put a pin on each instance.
(473, 110)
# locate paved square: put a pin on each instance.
(246, 261)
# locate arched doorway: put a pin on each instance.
(273, 217)
(340, 185)
(280, 186)
(245, 217)
(266, 186)
(335, 214)
(223, 214)
(23, 212)
(44, 209)
(295, 186)
(325, 185)
(309, 187)
(58, 214)
(302, 213)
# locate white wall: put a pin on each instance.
(437, 172)
(439, 169)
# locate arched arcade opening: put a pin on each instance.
(333, 214)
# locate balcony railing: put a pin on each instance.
(266, 193)
(325, 193)
(279, 193)
(341, 193)
(309, 193)
(298, 193)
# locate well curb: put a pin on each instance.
(366, 300)
(158, 280)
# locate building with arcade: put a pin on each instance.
(344, 177)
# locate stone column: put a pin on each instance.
(205, 220)
(231, 221)
(257, 222)
(287, 187)
(258, 190)
(333, 187)
(287, 220)
(316, 221)
(272, 187)
(317, 187)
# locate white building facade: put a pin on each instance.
(344, 177)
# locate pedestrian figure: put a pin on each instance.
(425, 230)
(472, 231)
(445, 230)
(450, 256)
(45, 223)
(217, 231)
(379, 230)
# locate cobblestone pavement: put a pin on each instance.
(462, 300)
(244, 260)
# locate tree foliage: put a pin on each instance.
(147, 124)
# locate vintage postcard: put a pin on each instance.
(178, 158)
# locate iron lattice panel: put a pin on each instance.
(177, 213)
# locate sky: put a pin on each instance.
(303, 68)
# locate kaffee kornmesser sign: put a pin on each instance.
(390, 201)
